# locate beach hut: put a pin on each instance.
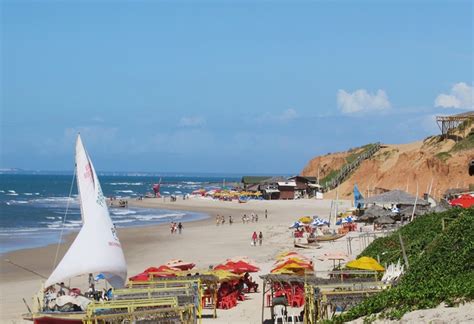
(384, 220)
(373, 212)
(395, 197)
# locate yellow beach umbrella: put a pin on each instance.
(286, 253)
(223, 275)
(365, 263)
(306, 219)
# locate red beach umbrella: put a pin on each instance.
(464, 201)
(238, 267)
(140, 277)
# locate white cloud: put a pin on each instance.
(461, 96)
(192, 121)
(283, 117)
(362, 101)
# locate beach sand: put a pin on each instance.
(201, 242)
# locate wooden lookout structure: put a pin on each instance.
(448, 123)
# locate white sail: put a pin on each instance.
(96, 248)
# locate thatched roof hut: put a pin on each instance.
(374, 212)
(396, 197)
(384, 220)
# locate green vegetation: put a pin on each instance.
(355, 153)
(441, 266)
(464, 144)
(464, 125)
(443, 156)
(330, 176)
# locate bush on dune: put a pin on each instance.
(441, 266)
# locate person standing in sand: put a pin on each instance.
(254, 238)
(260, 238)
(266, 214)
(180, 227)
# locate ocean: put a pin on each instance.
(33, 206)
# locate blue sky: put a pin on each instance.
(225, 86)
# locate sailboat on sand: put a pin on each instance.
(96, 250)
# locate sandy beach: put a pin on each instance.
(201, 242)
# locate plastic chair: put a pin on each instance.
(279, 311)
(293, 319)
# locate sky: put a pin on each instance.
(225, 86)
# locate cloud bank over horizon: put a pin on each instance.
(461, 96)
(361, 101)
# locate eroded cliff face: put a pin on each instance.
(325, 164)
(426, 163)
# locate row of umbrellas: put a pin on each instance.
(218, 193)
(345, 220)
(309, 221)
(291, 263)
(229, 270)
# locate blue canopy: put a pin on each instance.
(358, 198)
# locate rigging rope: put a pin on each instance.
(64, 221)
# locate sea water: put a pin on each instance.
(36, 208)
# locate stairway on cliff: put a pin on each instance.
(337, 177)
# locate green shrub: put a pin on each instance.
(441, 266)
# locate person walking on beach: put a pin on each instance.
(180, 227)
(230, 220)
(254, 238)
(266, 214)
(218, 220)
(260, 238)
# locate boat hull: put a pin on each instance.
(56, 320)
(326, 238)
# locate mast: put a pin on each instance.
(96, 248)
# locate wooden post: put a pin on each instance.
(403, 249)
(414, 206)
(263, 300)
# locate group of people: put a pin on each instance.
(176, 228)
(220, 220)
(253, 218)
(244, 285)
(257, 237)
(121, 202)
